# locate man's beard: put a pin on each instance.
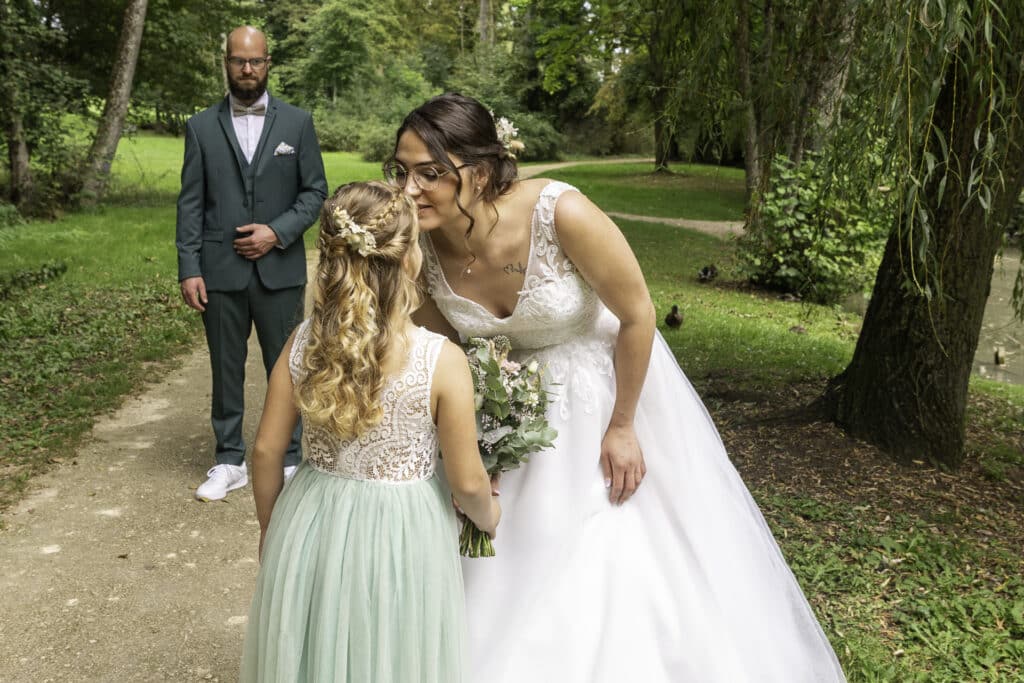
(249, 91)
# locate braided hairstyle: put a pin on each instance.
(364, 293)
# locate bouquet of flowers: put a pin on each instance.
(510, 423)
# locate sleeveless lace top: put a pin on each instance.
(403, 446)
(556, 304)
(559, 320)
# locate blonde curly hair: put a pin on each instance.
(364, 293)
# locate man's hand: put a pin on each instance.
(193, 291)
(256, 240)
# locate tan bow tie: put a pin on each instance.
(258, 109)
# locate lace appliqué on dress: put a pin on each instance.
(559, 319)
(568, 375)
(403, 446)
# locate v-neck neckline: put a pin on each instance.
(529, 265)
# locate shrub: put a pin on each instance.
(9, 216)
(377, 142)
(540, 138)
(377, 100)
(812, 240)
(23, 279)
(337, 131)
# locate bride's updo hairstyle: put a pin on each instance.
(363, 294)
(461, 126)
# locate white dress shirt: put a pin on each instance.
(249, 127)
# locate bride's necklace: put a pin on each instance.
(467, 269)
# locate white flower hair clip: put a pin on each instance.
(356, 236)
(507, 135)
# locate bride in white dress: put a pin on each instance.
(631, 551)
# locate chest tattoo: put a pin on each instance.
(516, 267)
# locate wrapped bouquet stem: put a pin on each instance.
(511, 403)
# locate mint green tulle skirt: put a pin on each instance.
(360, 582)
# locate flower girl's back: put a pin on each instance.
(360, 577)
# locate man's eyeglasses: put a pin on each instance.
(256, 63)
(426, 178)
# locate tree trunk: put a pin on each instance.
(830, 29)
(665, 56)
(662, 145)
(20, 188)
(20, 181)
(751, 134)
(833, 85)
(484, 23)
(101, 155)
(906, 387)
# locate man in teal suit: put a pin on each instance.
(252, 182)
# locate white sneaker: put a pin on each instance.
(289, 472)
(222, 478)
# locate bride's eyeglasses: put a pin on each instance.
(426, 178)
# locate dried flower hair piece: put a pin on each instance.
(507, 135)
(356, 236)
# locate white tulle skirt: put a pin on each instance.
(684, 582)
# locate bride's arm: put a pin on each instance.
(600, 252)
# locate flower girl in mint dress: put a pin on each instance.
(360, 577)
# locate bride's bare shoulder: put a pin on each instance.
(525, 193)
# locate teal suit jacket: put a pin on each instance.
(284, 187)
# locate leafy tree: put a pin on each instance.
(440, 36)
(58, 57)
(953, 110)
(37, 89)
(594, 89)
(643, 46)
(790, 62)
(342, 42)
(179, 66)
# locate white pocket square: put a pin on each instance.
(283, 149)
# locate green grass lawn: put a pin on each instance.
(709, 193)
(909, 596)
(150, 165)
(752, 336)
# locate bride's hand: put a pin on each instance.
(622, 463)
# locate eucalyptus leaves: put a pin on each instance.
(511, 425)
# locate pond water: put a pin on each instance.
(1000, 328)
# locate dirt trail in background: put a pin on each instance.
(110, 570)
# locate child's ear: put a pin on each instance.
(412, 262)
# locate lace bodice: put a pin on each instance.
(558, 321)
(403, 446)
(556, 304)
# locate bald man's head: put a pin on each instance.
(246, 38)
(247, 63)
